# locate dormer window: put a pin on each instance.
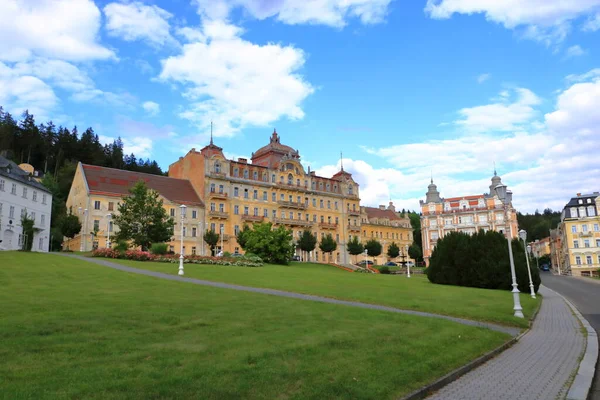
(580, 201)
(218, 167)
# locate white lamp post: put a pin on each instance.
(201, 227)
(221, 232)
(523, 236)
(366, 261)
(505, 197)
(182, 208)
(82, 246)
(407, 263)
(108, 217)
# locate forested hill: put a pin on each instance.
(538, 224)
(55, 151)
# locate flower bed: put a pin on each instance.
(137, 255)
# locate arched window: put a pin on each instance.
(290, 179)
(314, 185)
(328, 187)
(273, 178)
(236, 172)
(350, 189)
(265, 179)
(255, 175)
(297, 182)
(217, 167)
(246, 173)
(320, 185)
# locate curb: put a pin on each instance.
(457, 373)
(580, 388)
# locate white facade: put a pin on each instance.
(18, 196)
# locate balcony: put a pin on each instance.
(218, 214)
(326, 225)
(354, 213)
(217, 195)
(252, 218)
(292, 222)
(292, 204)
(226, 237)
(586, 234)
(353, 228)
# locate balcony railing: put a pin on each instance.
(226, 237)
(253, 218)
(586, 234)
(217, 195)
(353, 228)
(354, 213)
(218, 214)
(326, 225)
(292, 204)
(292, 222)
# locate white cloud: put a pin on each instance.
(140, 146)
(502, 115)
(483, 77)
(151, 107)
(323, 12)
(62, 29)
(592, 24)
(236, 83)
(544, 20)
(575, 51)
(136, 21)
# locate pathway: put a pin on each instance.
(505, 329)
(539, 366)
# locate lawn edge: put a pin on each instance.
(429, 389)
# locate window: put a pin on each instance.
(256, 214)
(273, 196)
(265, 196)
(184, 231)
(246, 210)
(221, 188)
(575, 244)
(337, 220)
(32, 216)
(291, 198)
(314, 218)
(213, 207)
(584, 228)
(171, 249)
(41, 244)
(266, 213)
(291, 215)
(282, 197)
(34, 195)
(329, 205)
(193, 250)
(433, 223)
(96, 225)
(111, 206)
(43, 199)
(573, 229)
(221, 207)
(1, 185)
(290, 179)
(588, 260)
(597, 242)
(11, 212)
(582, 212)
(434, 236)
(25, 192)
(321, 203)
(274, 214)
(236, 172)
(586, 243)
(273, 178)
(110, 226)
(245, 193)
(573, 212)
(236, 230)
(212, 187)
(246, 173)
(336, 206)
(255, 195)
(322, 219)
(96, 205)
(212, 226)
(591, 211)
(596, 228)
(194, 214)
(255, 175)
(172, 213)
(299, 216)
(236, 193)
(314, 202)
(282, 214)
(236, 210)
(13, 190)
(217, 167)
(43, 220)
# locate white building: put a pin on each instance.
(20, 194)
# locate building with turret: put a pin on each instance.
(468, 214)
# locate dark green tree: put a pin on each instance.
(393, 250)
(328, 245)
(415, 252)
(307, 243)
(212, 238)
(70, 226)
(373, 247)
(28, 232)
(272, 245)
(241, 236)
(142, 218)
(355, 247)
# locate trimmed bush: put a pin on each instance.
(480, 260)
(121, 245)
(137, 255)
(159, 248)
(384, 270)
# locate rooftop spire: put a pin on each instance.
(432, 176)
(211, 137)
(495, 174)
(342, 160)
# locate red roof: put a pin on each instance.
(373, 212)
(475, 197)
(117, 182)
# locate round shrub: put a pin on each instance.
(159, 248)
(384, 270)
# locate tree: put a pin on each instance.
(307, 242)
(28, 231)
(355, 247)
(212, 238)
(393, 250)
(142, 218)
(373, 247)
(70, 226)
(415, 252)
(328, 245)
(241, 237)
(274, 246)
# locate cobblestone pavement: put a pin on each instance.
(499, 328)
(539, 366)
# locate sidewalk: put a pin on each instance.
(539, 366)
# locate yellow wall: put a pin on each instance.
(592, 236)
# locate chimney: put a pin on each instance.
(243, 160)
(313, 173)
(382, 207)
(391, 207)
(578, 194)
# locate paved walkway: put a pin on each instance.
(537, 367)
(505, 329)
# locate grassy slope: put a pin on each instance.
(416, 293)
(70, 329)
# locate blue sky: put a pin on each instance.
(405, 89)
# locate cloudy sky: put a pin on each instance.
(404, 88)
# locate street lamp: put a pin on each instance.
(505, 197)
(108, 217)
(523, 236)
(182, 207)
(221, 228)
(82, 246)
(366, 261)
(201, 227)
(407, 264)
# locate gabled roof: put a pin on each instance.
(11, 170)
(574, 202)
(373, 212)
(117, 182)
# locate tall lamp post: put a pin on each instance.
(407, 264)
(82, 246)
(505, 197)
(366, 261)
(221, 232)
(523, 236)
(201, 227)
(182, 207)
(108, 217)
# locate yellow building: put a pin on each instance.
(468, 214)
(387, 227)
(580, 229)
(96, 192)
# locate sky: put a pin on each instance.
(406, 90)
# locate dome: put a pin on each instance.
(274, 146)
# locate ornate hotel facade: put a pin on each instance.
(223, 195)
(468, 214)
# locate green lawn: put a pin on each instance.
(72, 329)
(416, 293)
